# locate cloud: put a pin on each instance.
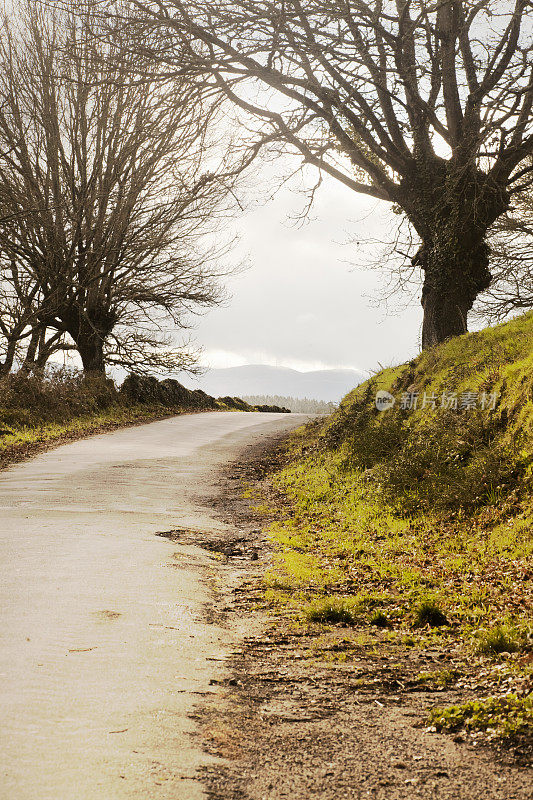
(220, 359)
(301, 301)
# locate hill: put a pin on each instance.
(410, 531)
(326, 385)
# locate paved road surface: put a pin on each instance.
(102, 640)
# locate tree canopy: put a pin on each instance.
(109, 185)
(427, 105)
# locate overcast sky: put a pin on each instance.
(301, 303)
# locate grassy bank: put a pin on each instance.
(410, 528)
(36, 413)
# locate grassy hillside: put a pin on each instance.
(412, 527)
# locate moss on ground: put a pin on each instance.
(501, 716)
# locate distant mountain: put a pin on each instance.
(329, 385)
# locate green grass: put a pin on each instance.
(500, 639)
(380, 620)
(423, 517)
(332, 610)
(440, 679)
(503, 716)
(429, 613)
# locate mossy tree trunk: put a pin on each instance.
(451, 206)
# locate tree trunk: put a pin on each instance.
(454, 275)
(31, 352)
(451, 209)
(453, 278)
(91, 350)
(444, 317)
(11, 352)
(46, 348)
(89, 333)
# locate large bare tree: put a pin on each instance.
(424, 104)
(108, 182)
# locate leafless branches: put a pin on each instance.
(109, 183)
(511, 243)
(424, 104)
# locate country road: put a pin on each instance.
(104, 647)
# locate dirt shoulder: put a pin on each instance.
(327, 711)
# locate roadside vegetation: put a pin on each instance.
(38, 412)
(410, 528)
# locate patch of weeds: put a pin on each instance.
(297, 566)
(423, 678)
(380, 620)
(337, 658)
(276, 598)
(344, 651)
(441, 679)
(273, 580)
(447, 677)
(500, 639)
(502, 716)
(429, 613)
(332, 610)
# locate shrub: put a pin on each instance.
(200, 399)
(146, 389)
(62, 395)
(174, 393)
(57, 397)
(235, 403)
(428, 613)
(15, 417)
(332, 610)
(141, 389)
(500, 639)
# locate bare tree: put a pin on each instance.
(108, 182)
(424, 104)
